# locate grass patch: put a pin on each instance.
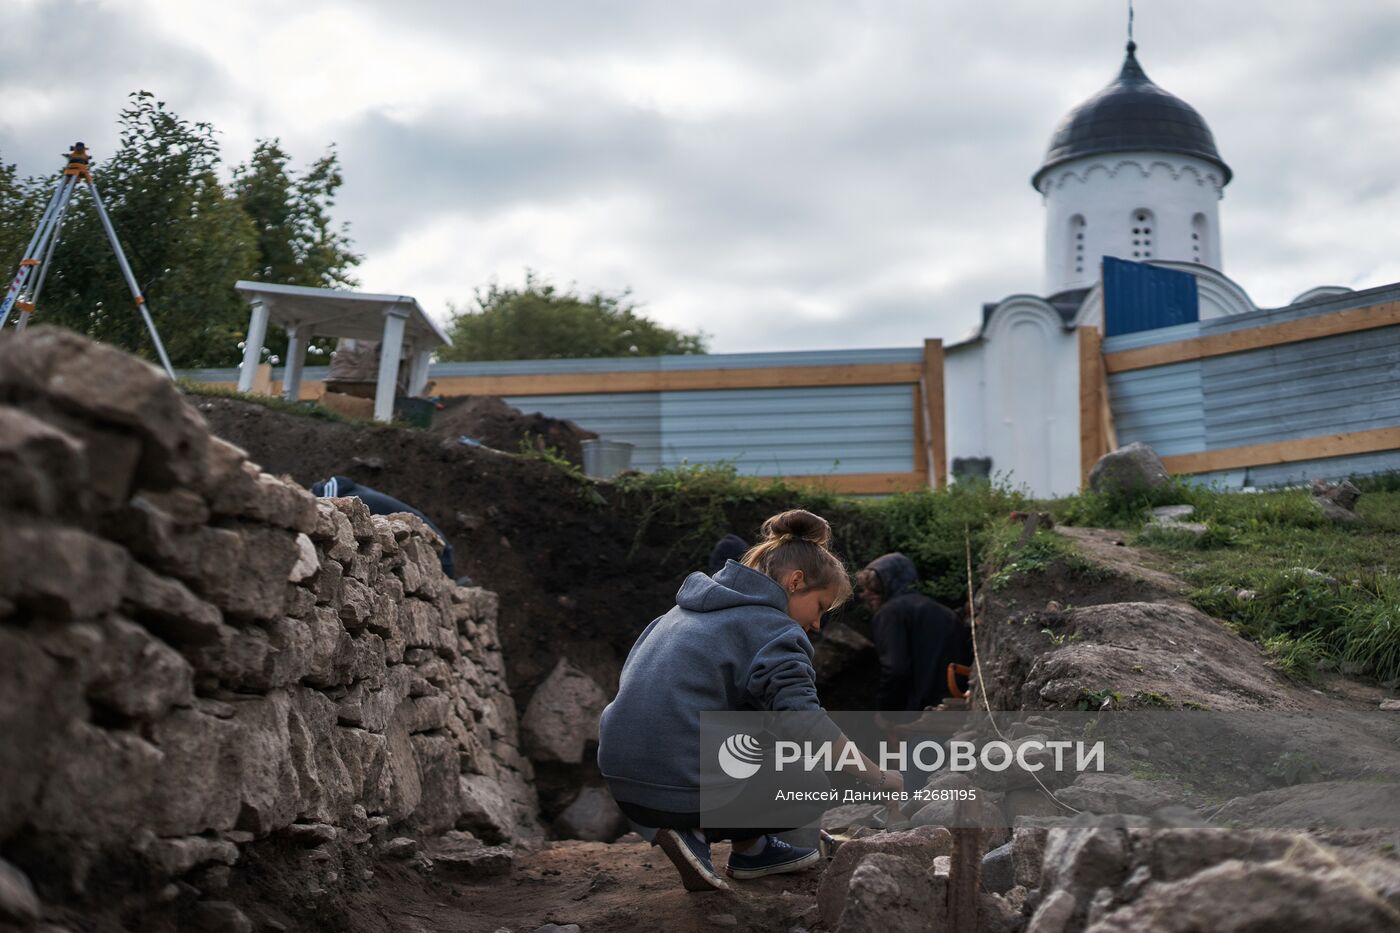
(1296, 655)
(1278, 571)
(1095, 700)
(1151, 698)
(1113, 510)
(1303, 616)
(1011, 559)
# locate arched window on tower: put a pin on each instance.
(1144, 233)
(1200, 234)
(1074, 257)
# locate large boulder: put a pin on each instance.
(919, 846)
(1236, 896)
(1336, 501)
(593, 816)
(889, 894)
(562, 717)
(1130, 471)
(1083, 858)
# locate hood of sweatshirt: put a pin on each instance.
(735, 585)
(896, 572)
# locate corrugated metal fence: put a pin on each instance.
(1273, 396)
(856, 421)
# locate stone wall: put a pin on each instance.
(196, 656)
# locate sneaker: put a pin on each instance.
(777, 857)
(691, 858)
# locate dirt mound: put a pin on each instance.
(1107, 624)
(490, 421)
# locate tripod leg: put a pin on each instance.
(130, 279)
(36, 242)
(55, 229)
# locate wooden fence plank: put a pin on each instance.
(1290, 451)
(1091, 394)
(923, 447)
(774, 377)
(1386, 314)
(935, 425)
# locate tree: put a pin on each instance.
(187, 236)
(296, 241)
(540, 322)
(297, 244)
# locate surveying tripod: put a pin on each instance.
(38, 256)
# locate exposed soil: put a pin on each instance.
(563, 555)
(495, 424)
(619, 887)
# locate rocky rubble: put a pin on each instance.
(1101, 876)
(197, 657)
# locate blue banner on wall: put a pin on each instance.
(1140, 297)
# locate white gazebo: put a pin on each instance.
(397, 321)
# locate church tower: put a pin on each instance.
(1132, 172)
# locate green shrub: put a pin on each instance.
(1114, 509)
(1301, 617)
(1297, 656)
(932, 529)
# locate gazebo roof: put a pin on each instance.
(330, 312)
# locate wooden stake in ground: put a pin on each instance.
(965, 871)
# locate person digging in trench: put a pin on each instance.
(735, 641)
(916, 638)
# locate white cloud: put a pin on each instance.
(782, 175)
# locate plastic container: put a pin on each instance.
(605, 459)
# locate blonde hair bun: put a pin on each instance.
(798, 524)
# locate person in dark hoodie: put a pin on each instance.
(916, 638)
(734, 641)
(381, 504)
(730, 547)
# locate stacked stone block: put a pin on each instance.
(195, 655)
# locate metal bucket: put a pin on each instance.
(606, 459)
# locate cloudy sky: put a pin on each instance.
(782, 175)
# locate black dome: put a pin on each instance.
(1132, 113)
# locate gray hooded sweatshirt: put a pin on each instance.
(729, 644)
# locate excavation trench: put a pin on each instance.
(230, 706)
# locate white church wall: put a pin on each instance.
(1171, 201)
(1032, 397)
(965, 401)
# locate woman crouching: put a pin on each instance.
(736, 641)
